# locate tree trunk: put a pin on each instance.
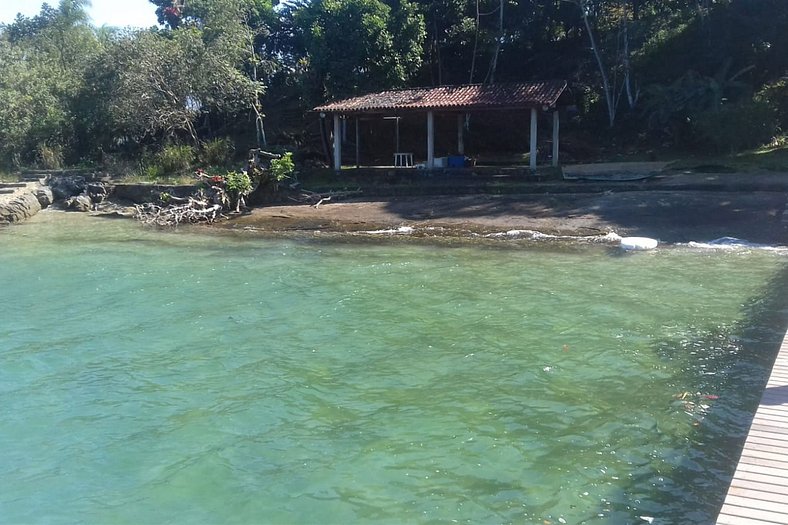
(609, 98)
(475, 44)
(632, 97)
(494, 63)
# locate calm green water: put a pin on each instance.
(150, 377)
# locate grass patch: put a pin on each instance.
(773, 157)
(6, 176)
(140, 178)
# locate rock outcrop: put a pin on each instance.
(18, 207)
(75, 192)
(66, 186)
(79, 203)
(44, 195)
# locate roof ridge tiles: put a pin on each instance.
(460, 96)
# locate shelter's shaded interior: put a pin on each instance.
(486, 135)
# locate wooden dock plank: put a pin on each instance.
(770, 416)
(769, 459)
(758, 492)
(738, 520)
(765, 490)
(770, 410)
(761, 504)
(764, 446)
(771, 437)
(752, 512)
(770, 428)
(763, 478)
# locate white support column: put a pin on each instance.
(358, 146)
(460, 135)
(337, 143)
(533, 138)
(430, 140)
(396, 134)
(556, 125)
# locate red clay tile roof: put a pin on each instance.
(466, 97)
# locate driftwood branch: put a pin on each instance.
(316, 199)
(191, 212)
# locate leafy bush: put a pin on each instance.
(151, 171)
(173, 159)
(217, 152)
(282, 168)
(736, 127)
(775, 94)
(671, 109)
(237, 183)
(50, 157)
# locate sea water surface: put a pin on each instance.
(180, 377)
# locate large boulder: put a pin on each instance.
(66, 186)
(79, 203)
(21, 207)
(44, 195)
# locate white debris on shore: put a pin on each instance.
(402, 230)
(610, 237)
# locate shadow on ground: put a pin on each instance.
(671, 216)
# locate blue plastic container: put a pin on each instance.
(455, 161)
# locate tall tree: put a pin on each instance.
(353, 46)
(42, 70)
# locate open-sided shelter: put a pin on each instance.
(460, 100)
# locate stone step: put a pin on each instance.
(13, 184)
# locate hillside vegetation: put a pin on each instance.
(217, 77)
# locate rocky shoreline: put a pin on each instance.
(674, 207)
(21, 201)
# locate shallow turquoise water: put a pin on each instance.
(150, 377)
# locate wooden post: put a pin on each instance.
(358, 146)
(337, 143)
(396, 119)
(556, 125)
(533, 139)
(430, 140)
(460, 136)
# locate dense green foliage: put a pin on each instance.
(283, 167)
(238, 183)
(218, 74)
(353, 46)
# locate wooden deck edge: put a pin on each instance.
(758, 492)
